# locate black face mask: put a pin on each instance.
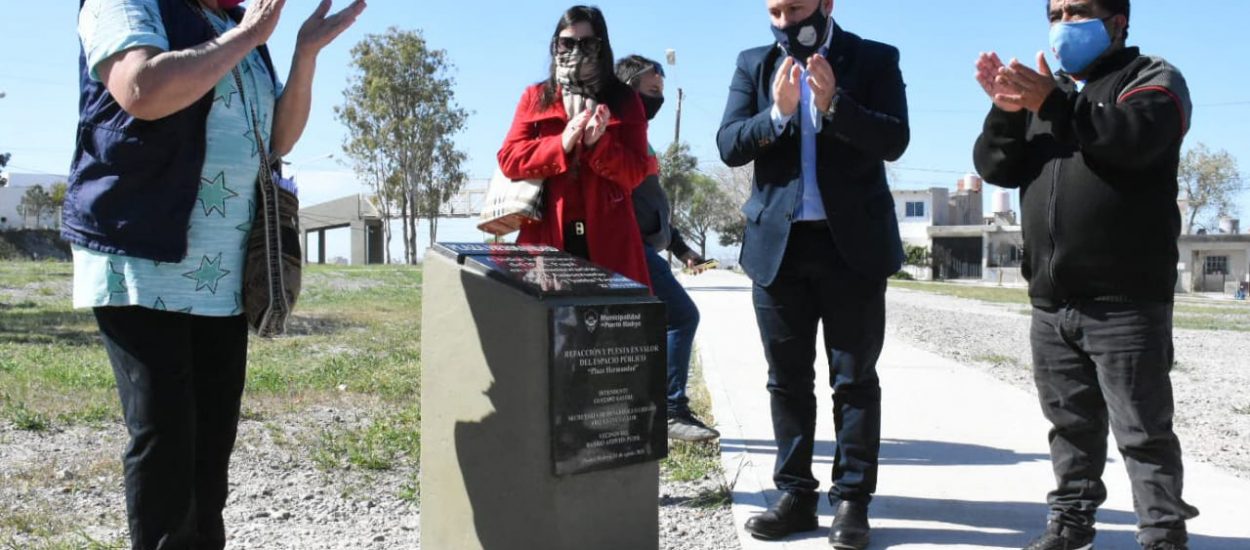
(652, 104)
(803, 39)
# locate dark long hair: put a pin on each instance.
(612, 90)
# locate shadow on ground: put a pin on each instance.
(904, 452)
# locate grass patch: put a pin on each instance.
(356, 331)
(689, 461)
(1188, 315)
(25, 419)
(993, 294)
(80, 541)
(33, 524)
(387, 442)
(1242, 410)
(1232, 323)
(997, 360)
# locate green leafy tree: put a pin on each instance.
(915, 255)
(1210, 180)
(677, 170)
(707, 207)
(57, 197)
(34, 204)
(401, 116)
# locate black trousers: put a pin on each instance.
(180, 378)
(816, 285)
(1100, 365)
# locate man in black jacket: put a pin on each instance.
(1094, 152)
(819, 112)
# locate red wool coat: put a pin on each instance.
(595, 185)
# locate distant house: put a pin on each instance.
(11, 196)
(962, 242)
(992, 249)
(1214, 261)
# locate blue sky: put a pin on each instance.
(500, 46)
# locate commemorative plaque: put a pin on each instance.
(607, 386)
(542, 402)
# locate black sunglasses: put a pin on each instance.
(588, 44)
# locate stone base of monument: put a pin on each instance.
(542, 403)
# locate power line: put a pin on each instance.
(1225, 104)
(16, 168)
(39, 81)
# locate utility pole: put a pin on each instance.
(681, 97)
(670, 57)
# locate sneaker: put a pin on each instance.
(1165, 545)
(685, 427)
(1058, 538)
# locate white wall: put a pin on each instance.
(9, 198)
(915, 231)
(1191, 275)
(11, 195)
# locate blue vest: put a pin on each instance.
(133, 183)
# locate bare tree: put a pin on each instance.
(736, 184)
(1210, 182)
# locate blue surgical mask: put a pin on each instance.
(1078, 44)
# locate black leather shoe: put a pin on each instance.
(793, 513)
(1059, 537)
(850, 526)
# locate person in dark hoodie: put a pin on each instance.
(654, 214)
(1094, 150)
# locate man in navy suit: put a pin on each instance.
(819, 112)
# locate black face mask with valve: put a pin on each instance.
(652, 104)
(803, 39)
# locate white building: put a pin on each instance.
(1214, 262)
(962, 242)
(916, 213)
(11, 196)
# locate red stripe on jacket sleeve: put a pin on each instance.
(1175, 99)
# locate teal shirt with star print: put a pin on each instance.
(209, 280)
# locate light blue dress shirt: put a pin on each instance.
(811, 121)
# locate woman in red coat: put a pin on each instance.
(584, 133)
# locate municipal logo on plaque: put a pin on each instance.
(592, 321)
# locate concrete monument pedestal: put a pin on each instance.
(543, 413)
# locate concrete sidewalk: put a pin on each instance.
(964, 456)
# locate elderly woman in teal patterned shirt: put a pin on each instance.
(174, 93)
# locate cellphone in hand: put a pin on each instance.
(700, 268)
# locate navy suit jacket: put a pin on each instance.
(869, 128)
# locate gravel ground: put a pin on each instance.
(69, 482)
(1210, 379)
